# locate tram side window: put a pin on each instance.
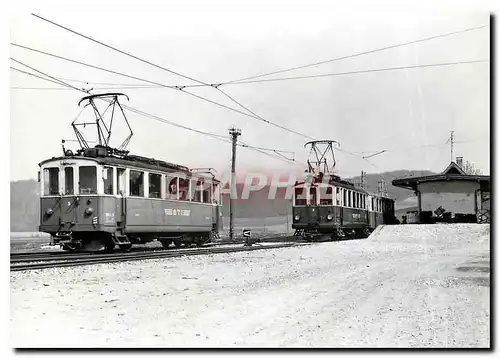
(349, 197)
(88, 180)
(183, 189)
(216, 193)
(300, 196)
(121, 180)
(325, 196)
(136, 183)
(107, 178)
(69, 187)
(207, 193)
(195, 187)
(51, 181)
(337, 196)
(172, 187)
(345, 197)
(154, 185)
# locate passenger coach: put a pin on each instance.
(338, 208)
(100, 198)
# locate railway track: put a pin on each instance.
(23, 262)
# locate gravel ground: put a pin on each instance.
(405, 286)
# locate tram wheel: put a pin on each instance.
(126, 247)
(69, 247)
(166, 243)
(109, 247)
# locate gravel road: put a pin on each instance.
(405, 286)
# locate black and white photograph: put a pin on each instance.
(251, 175)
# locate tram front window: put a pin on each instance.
(300, 196)
(87, 183)
(51, 181)
(68, 181)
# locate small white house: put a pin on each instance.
(452, 193)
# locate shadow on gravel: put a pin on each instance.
(474, 269)
(479, 281)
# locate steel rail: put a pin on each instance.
(51, 255)
(146, 256)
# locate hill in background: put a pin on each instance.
(25, 194)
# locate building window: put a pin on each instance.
(69, 180)
(107, 179)
(136, 183)
(51, 181)
(88, 180)
(154, 185)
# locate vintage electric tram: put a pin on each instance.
(325, 206)
(100, 197)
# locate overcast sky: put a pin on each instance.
(397, 110)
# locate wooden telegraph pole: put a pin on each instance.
(234, 133)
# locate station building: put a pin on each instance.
(452, 196)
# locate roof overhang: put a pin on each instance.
(412, 183)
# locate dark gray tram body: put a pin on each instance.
(96, 201)
(338, 209)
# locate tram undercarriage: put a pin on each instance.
(107, 242)
(338, 233)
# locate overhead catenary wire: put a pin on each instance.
(140, 112)
(251, 113)
(324, 75)
(181, 126)
(118, 50)
(182, 89)
(359, 54)
(412, 147)
(139, 79)
(177, 88)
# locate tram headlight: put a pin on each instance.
(297, 217)
(329, 217)
(89, 211)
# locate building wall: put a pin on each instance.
(456, 196)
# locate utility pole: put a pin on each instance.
(234, 133)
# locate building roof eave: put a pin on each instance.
(412, 183)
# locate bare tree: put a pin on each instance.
(469, 169)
